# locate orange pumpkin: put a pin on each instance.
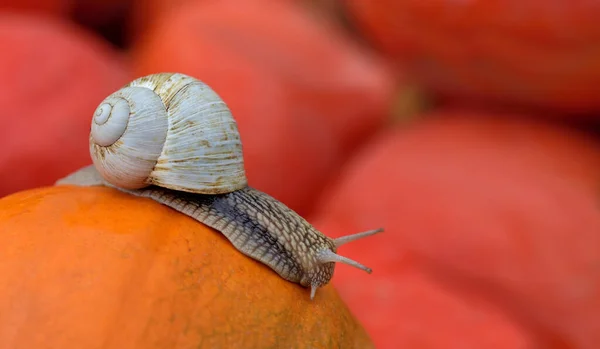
(93, 267)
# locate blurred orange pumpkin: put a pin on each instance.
(54, 74)
(303, 94)
(495, 209)
(93, 267)
(527, 53)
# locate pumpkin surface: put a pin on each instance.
(97, 268)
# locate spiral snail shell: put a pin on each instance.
(169, 130)
(171, 138)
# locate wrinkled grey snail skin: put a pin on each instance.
(256, 224)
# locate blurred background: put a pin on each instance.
(467, 129)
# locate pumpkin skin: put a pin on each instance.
(496, 207)
(504, 52)
(97, 268)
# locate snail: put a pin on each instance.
(171, 138)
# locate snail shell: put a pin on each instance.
(168, 130)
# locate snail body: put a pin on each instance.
(170, 137)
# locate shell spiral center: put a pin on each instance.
(110, 121)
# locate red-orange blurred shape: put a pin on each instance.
(57, 8)
(54, 74)
(541, 54)
(492, 232)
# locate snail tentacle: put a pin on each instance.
(342, 240)
(326, 256)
